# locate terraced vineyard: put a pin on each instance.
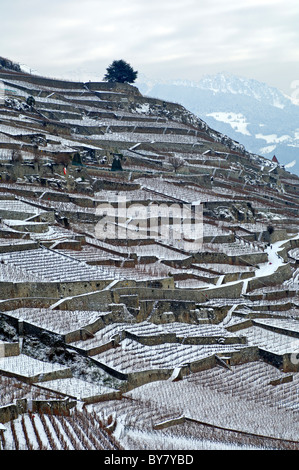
(116, 334)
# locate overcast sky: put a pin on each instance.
(162, 39)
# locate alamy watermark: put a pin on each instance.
(178, 224)
(2, 92)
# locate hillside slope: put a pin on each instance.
(112, 312)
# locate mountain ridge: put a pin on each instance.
(269, 114)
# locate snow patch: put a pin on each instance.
(272, 138)
(237, 121)
(268, 149)
(291, 164)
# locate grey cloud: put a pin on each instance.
(169, 38)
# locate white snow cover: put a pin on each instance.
(27, 366)
(236, 120)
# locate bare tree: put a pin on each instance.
(176, 162)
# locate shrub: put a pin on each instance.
(270, 229)
(30, 101)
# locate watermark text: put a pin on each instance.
(170, 223)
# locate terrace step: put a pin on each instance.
(223, 361)
(86, 334)
(130, 300)
(30, 370)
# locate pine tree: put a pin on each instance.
(120, 72)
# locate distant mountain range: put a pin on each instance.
(260, 117)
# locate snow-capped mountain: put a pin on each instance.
(260, 117)
(224, 83)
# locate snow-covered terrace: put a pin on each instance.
(65, 206)
(19, 207)
(11, 273)
(48, 265)
(146, 137)
(226, 268)
(10, 390)
(26, 366)
(49, 100)
(4, 139)
(121, 121)
(147, 329)
(14, 130)
(55, 233)
(219, 397)
(78, 389)
(152, 249)
(241, 398)
(134, 195)
(192, 284)
(44, 87)
(216, 407)
(181, 330)
(289, 326)
(102, 336)
(57, 321)
(186, 193)
(90, 254)
(271, 341)
(236, 248)
(132, 356)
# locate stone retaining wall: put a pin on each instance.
(9, 349)
(102, 298)
(8, 413)
(49, 289)
(136, 379)
(41, 377)
(23, 302)
(282, 274)
(226, 291)
(21, 406)
(276, 329)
